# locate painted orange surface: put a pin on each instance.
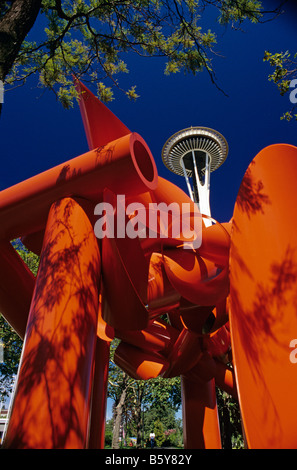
(244, 271)
(15, 277)
(157, 336)
(96, 434)
(51, 408)
(62, 385)
(138, 363)
(200, 415)
(263, 281)
(198, 280)
(101, 125)
(24, 207)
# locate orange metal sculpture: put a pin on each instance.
(230, 300)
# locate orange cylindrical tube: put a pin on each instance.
(125, 166)
(218, 344)
(16, 288)
(225, 379)
(53, 391)
(105, 334)
(161, 296)
(196, 318)
(138, 363)
(158, 336)
(200, 415)
(174, 218)
(196, 279)
(204, 370)
(184, 354)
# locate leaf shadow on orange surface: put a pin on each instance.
(251, 197)
(59, 345)
(260, 323)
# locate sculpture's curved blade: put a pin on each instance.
(263, 296)
(101, 125)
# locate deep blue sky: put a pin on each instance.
(37, 134)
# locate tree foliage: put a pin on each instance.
(131, 397)
(12, 347)
(230, 421)
(283, 75)
(90, 39)
(159, 433)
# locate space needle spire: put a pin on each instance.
(194, 153)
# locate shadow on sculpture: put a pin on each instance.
(228, 290)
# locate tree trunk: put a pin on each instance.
(138, 425)
(226, 435)
(118, 417)
(14, 27)
(137, 415)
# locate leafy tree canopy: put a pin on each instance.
(89, 39)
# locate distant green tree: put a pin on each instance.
(172, 426)
(12, 348)
(31, 259)
(108, 432)
(131, 397)
(166, 414)
(230, 421)
(159, 433)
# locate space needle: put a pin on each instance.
(194, 153)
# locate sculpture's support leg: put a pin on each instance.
(99, 396)
(16, 288)
(52, 398)
(200, 416)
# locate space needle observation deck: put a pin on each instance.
(194, 153)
